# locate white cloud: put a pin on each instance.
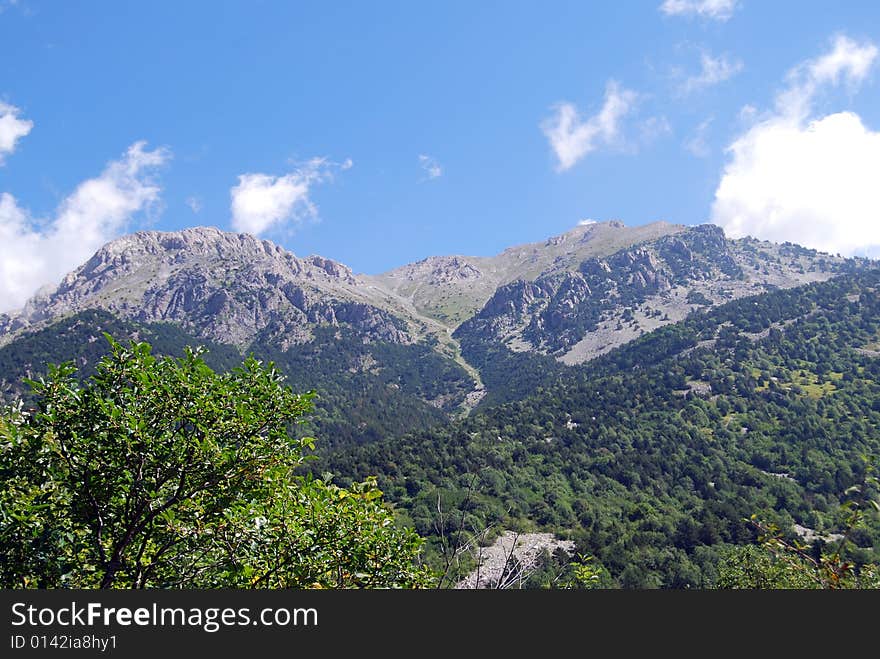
(847, 61)
(807, 179)
(572, 137)
(34, 254)
(12, 129)
(713, 70)
(195, 204)
(719, 10)
(696, 143)
(430, 166)
(261, 202)
(586, 223)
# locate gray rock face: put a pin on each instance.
(573, 296)
(452, 289)
(227, 287)
(609, 300)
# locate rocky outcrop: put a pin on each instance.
(571, 296)
(453, 289)
(438, 270)
(224, 286)
(555, 311)
(452, 269)
(636, 289)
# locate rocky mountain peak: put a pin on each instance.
(452, 289)
(226, 286)
(572, 296)
(611, 298)
(437, 270)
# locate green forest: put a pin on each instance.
(654, 457)
(680, 460)
(364, 391)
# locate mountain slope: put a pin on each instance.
(365, 391)
(227, 287)
(520, 317)
(577, 314)
(80, 339)
(451, 289)
(653, 456)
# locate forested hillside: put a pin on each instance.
(653, 457)
(365, 391)
(80, 339)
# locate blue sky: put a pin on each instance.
(379, 133)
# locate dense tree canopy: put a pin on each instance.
(159, 472)
(653, 457)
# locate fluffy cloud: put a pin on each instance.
(712, 71)
(718, 10)
(847, 62)
(572, 137)
(261, 202)
(12, 129)
(430, 166)
(804, 178)
(34, 254)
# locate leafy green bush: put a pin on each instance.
(163, 473)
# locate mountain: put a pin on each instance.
(571, 297)
(238, 289)
(376, 368)
(583, 309)
(639, 391)
(653, 457)
(451, 289)
(231, 288)
(429, 340)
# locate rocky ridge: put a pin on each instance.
(572, 296)
(607, 301)
(452, 289)
(228, 287)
